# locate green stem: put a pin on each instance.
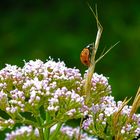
(50, 124)
(41, 133)
(79, 136)
(47, 130)
(40, 129)
(23, 120)
(54, 134)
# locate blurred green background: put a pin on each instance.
(37, 29)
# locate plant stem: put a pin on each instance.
(135, 106)
(47, 130)
(92, 65)
(38, 118)
(50, 124)
(54, 134)
(41, 133)
(23, 120)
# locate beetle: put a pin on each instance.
(85, 55)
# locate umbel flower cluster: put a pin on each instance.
(66, 133)
(41, 95)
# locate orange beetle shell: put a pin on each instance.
(85, 57)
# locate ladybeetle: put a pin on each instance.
(86, 55)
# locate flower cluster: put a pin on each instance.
(66, 132)
(69, 103)
(23, 133)
(73, 133)
(41, 95)
(100, 83)
(39, 88)
(99, 87)
(6, 123)
(110, 118)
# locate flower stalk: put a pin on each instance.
(93, 54)
(41, 133)
(47, 130)
(57, 130)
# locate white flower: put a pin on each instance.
(109, 111)
(101, 115)
(137, 131)
(53, 108)
(122, 131)
(71, 112)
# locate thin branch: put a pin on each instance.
(106, 52)
(135, 106)
(81, 122)
(103, 51)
